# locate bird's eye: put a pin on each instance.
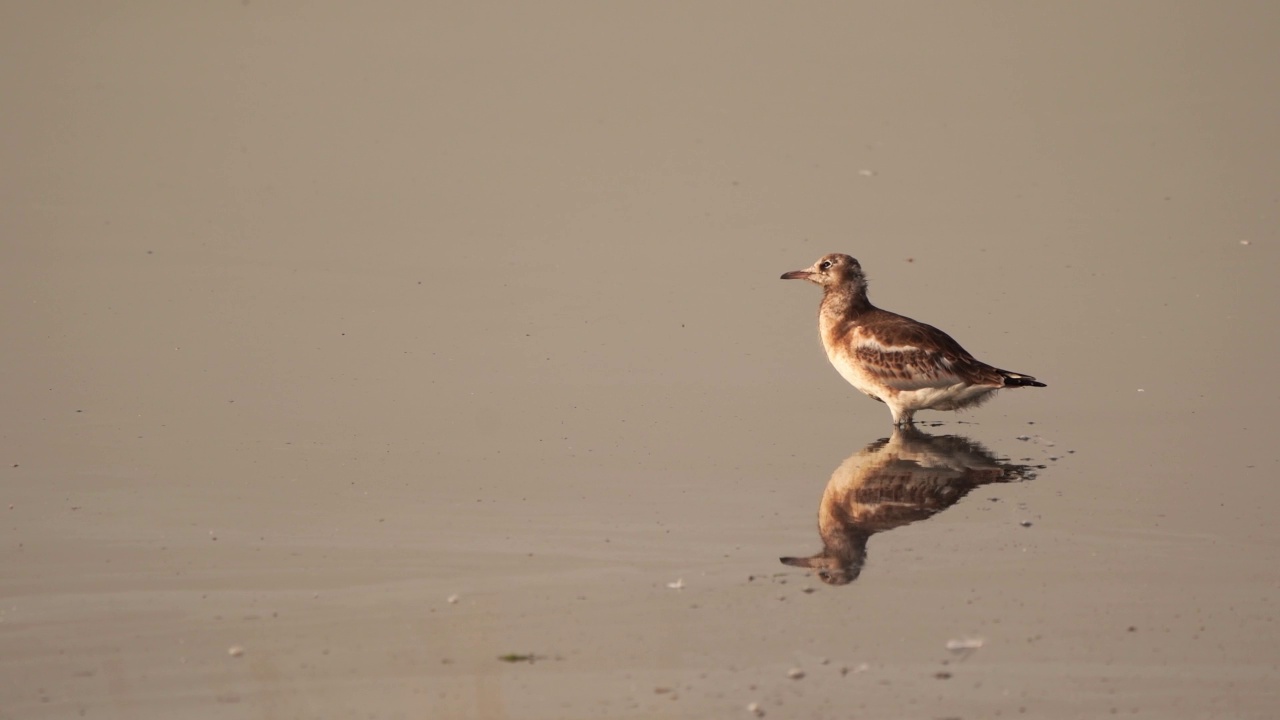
(826, 264)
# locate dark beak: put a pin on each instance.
(797, 275)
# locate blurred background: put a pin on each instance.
(386, 334)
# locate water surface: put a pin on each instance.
(351, 349)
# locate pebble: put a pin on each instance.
(235, 651)
(795, 673)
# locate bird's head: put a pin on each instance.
(830, 570)
(831, 271)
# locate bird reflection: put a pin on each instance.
(893, 482)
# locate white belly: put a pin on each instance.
(952, 397)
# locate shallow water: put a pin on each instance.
(350, 351)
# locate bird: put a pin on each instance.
(901, 362)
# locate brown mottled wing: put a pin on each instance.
(909, 355)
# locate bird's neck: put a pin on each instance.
(845, 302)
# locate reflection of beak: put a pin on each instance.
(795, 561)
(797, 275)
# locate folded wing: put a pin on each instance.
(911, 356)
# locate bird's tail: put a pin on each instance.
(1013, 379)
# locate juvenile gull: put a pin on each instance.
(905, 364)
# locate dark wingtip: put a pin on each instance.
(1015, 380)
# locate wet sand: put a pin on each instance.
(351, 350)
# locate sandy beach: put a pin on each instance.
(400, 360)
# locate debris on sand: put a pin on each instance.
(755, 709)
(518, 657)
(677, 585)
(235, 650)
(795, 673)
(965, 644)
